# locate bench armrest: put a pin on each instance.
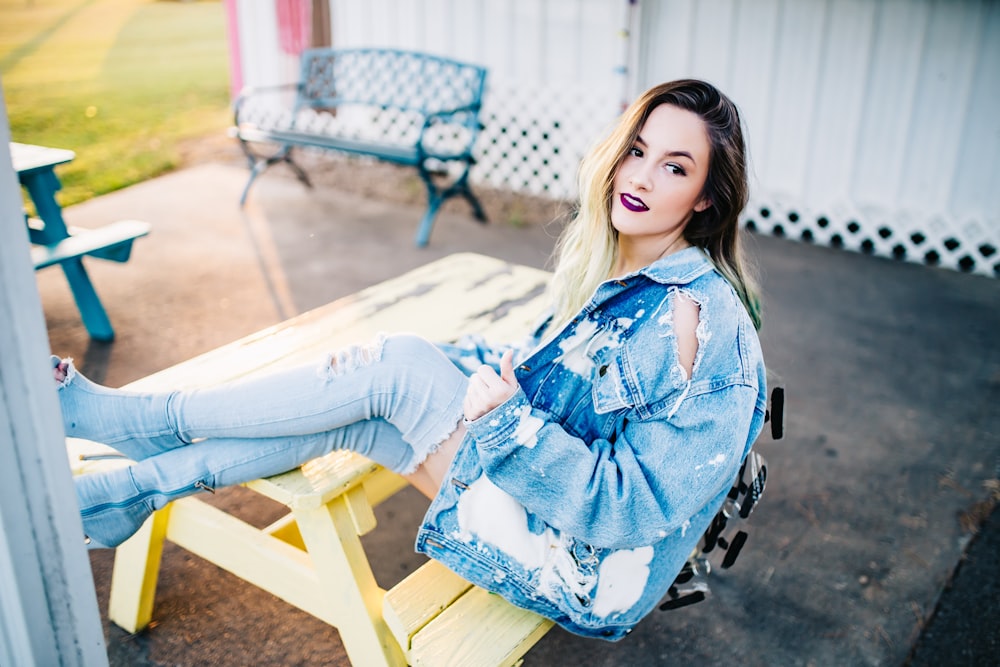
(468, 118)
(471, 113)
(252, 91)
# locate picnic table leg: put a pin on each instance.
(136, 570)
(331, 538)
(89, 304)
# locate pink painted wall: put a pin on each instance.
(235, 59)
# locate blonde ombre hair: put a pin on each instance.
(588, 248)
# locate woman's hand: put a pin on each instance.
(487, 390)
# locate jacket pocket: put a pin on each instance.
(610, 391)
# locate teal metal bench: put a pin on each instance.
(402, 107)
(53, 243)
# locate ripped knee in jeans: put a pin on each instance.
(352, 357)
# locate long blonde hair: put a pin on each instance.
(588, 248)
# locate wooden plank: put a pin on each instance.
(347, 585)
(412, 603)
(269, 563)
(360, 510)
(383, 484)
(471, 294)
(135, 573)
(318, 481)
(478, 630)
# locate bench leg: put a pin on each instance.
(136, 570)
(330, 536)
(436, 196)
(299, 172)
(477, 209)
(427, 223)
(259, 164)
(91, 311)
(255, 170)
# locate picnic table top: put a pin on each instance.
(29, 158)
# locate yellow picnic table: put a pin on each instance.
(313, 558)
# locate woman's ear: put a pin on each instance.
(702, 205)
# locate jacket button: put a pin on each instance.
(602, 370)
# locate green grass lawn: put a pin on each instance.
(120, 82)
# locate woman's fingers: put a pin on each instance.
(507, 368)
(476, 403)
(487, 390)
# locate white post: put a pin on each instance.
(48, 608)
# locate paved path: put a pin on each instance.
(893, 373)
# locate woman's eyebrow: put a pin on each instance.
(686, 154)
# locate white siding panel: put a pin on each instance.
(264, 63)
(801, 39)
(499, 54)
(755, 50)
(348, 19)
(900, 31)
(437, 22)
(940, 106)
(405, 23)
(712, 27)
(560, 30)
(383, 22)
(665, 41)
(469, 29)
(528, 46)
(976, 185)
(840, 103)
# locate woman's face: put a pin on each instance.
(659, 183)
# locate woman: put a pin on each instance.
(573, 475)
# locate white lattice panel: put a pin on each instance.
(533, 138)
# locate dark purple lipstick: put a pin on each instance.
(633, 203)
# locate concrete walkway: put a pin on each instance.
(889, 464)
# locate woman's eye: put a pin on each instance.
(635, 151)
(675, 169)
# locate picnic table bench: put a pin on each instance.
(403, 107)
(53, 243)
(313, 557)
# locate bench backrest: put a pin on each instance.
(389, 78)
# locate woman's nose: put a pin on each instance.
(639, 179)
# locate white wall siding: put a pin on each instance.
(262, 59)
(872, 124)
(556, 74)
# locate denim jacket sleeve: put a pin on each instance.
(631, 492)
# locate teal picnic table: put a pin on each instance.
(55, 243)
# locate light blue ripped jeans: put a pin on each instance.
(393, 400)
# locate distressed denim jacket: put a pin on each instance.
(582, 495)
